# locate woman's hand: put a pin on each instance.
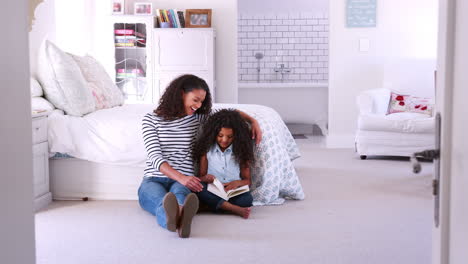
(192, 182)
(256, 131)
(232, 185)
(207, 178)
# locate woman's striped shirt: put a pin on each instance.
(171, 142)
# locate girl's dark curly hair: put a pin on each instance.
(242, 145)
(171, 104)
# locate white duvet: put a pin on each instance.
(113, 136)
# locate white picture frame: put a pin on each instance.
(143, 9)
(118, 7)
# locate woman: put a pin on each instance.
(168, 134)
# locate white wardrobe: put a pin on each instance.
(179, 51)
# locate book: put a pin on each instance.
(125, 44)
(159, 15)
(159, 18)
(124, 40)
(174, 18)
(216, 187)
(37, 111)
(125, 37)
(171, 19)
(124, 31)
(181, 18)
(166, 18)
(176, 15)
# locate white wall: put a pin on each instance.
(275, 6)
(306, 105)
(43, 28)
(298, 40)
(405, 35)
(74, 25)
(294, 33)
(16, 183)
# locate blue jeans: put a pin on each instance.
(151, 194)
(214, 202)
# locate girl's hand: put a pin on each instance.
(256, 132)
(232, 185)
(208, 178)
(192, 182)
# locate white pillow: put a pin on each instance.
(106, 93)
(36, 89)
(62, 81)
(39, 103)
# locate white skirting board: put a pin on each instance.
(75, 179)
(42, 201)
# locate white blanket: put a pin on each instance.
(113, 136)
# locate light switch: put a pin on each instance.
(364, 45)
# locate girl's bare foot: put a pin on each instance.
(243, 212)
(240, 211)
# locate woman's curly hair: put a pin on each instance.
(171, 104)
(242, 144)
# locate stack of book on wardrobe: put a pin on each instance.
(170, 18)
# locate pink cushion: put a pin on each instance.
(407, 103)
(398, 103)
(421, 105)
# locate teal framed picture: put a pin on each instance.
(361, 13)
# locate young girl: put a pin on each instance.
(224, 151)
(168, 134)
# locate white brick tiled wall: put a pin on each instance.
(297, 40)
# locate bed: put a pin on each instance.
(101, 155)
(97, 146)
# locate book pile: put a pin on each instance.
(170, 18)
(130, 73)
(125, 41)
(37, 111)
(129, 38)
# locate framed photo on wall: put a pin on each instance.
(361, 13)
(118, 7)
(198, 18)
(143, 9)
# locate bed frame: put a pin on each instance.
(76, 179)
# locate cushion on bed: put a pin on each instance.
(106, 94)
(36, 89)
(39, 103)
(62, 81)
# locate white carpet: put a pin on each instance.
(355, 211)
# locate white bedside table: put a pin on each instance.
(42, 195)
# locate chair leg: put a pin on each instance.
(363, 157)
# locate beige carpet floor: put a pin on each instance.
(355, 211)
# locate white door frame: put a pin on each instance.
(16, 160)
(443, 101)
(451, 238)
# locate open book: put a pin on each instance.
(217, 188)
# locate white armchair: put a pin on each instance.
(398, 134)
